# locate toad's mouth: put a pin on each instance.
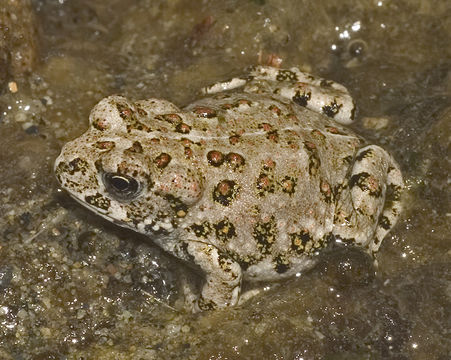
(105, 213)
(95, 209)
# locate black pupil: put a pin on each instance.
(120, 183)
(121, 186)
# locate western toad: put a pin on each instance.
(250, 181)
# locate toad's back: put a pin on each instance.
(271, 169)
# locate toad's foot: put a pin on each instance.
(223, 277)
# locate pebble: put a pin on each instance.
(12, 86)
(375, 123)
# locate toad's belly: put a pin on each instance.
(277, 269)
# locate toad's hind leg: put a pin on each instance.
(317, 94)
(374, 198)
(392, 207)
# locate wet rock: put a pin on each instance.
(347, 266)
(6, 275)
(18, 43)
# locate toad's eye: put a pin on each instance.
(122, 187)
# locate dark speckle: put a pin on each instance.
(299, 241)
(183, 128)
(288, 185)
(281, 264)
(236, 161)
(215, 158)
(136, 148)
(224, 230)
(227, 106)
(204, 112)
(99, 201)
(100, 124)
(243, 102)
(269, 165)
(284, 75)
(265, 235)
(363, 154)
(325, 83)
(201, 230)
(265, 184)
(273, 136)
(314, 160)
(275, 109)
(136, 125)
(318, 134)
(76, 165)
(225, 191)
(326, 190)
(141, 111)
(302, 99)
(105, 145)
(234, 139)
(162, 160)
(332, 109)
(173, 119)
(205, 305)
(265, 126)
(334, 130)
(366, 182)
(384, 223)
(179, 207)
(124, 111)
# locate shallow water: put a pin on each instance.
(74, 286)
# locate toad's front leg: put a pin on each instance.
(223, 276)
